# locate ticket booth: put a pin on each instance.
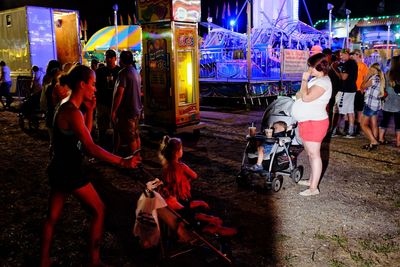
(170, 63)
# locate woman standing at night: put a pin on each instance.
(391, 106)
(71, 134)
(373, 88)
(310, 112)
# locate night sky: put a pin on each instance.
(98, 16)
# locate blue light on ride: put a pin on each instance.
(232, 22)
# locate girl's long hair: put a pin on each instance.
(169, 147)
(381, 75)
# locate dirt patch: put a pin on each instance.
(355, 221)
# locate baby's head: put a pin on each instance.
(279, 126)
(170, 148)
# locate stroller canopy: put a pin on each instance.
(280, 110)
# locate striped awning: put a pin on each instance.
(129, 38)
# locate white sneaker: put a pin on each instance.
(304, 182)
(350, 136)
(308, 192)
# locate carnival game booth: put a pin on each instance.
(129, 37)
(170, 64)
(279, 49)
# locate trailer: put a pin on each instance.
(32, 35)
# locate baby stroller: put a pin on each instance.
(281, 160)
(30, 111)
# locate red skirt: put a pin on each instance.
(313, 131)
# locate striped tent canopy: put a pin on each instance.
(129, 38)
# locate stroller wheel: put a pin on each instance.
(297, 173)
(277, 183)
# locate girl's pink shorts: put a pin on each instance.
(313, 131)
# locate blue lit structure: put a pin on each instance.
(279, 49)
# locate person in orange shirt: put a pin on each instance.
(356, 54)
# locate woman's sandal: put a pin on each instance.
(370, 147)
(384, 142)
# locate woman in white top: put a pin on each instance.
(310, 111)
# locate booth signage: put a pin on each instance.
(294, 61)
(187, 10)
(186, 37)
(167, 10)
(154, 10)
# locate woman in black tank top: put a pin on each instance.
(71, 133)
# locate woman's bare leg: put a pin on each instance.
(374, 127)
(365, 121)
(313, 150)
(90, 197)
(56, 203)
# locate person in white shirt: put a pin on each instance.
(310, 111)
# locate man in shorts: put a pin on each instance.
(126, 107)
(347, 73)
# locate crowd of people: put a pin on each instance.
(366, 98)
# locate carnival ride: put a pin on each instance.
(223, 53)
(224, 62)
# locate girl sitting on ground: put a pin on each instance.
(177, 177)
